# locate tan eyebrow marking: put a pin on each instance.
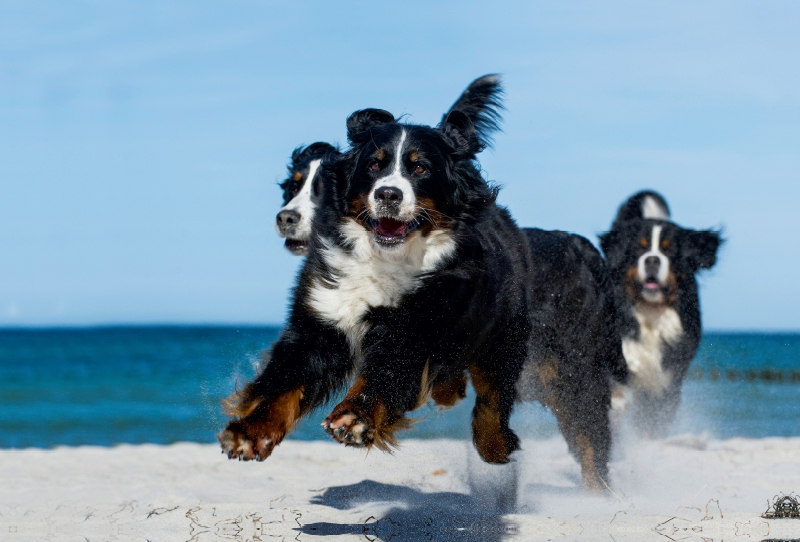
(298, 176)
(381, 154)
(414, 156)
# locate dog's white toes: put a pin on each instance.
(355, 436)
(347, 428)
(342, 421)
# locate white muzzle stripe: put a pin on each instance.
(395, 179)
(302, 203)
(655, 250)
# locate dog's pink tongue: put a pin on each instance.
(389, 227)
(651, 285)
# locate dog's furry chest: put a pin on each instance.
(365, 276)
(644, 355)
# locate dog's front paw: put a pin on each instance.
(247, 441)
(255, 435)
(350, 425)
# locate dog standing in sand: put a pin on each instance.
(654, 263)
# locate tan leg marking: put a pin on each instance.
(352, 425)
(487, 430)
(449, 394)
(264, 426)
(591, 481)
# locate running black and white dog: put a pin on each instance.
(301, 189)
(415, 276)
(654, 263)
(301, 193)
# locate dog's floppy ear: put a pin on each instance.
(360, 122)
(459, 131)
(701, 248)
(609, 243)
(334, 174)
(616, 244)
(481, 102)
(297, 156)
(320, 148)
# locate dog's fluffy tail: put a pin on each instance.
(482, 102)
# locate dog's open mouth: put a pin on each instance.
(296, 246)
(651, 285)
(391, 232)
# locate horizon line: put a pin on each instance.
(233, 325)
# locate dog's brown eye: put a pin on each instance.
(643, 242)
(374, 166)
(419, 170)
(665, 243)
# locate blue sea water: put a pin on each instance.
(104, 386)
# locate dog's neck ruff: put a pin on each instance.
(658, 328)
(365, 275)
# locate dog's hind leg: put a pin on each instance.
(582, 415)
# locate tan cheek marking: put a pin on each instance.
(357, 208)
(672, 284)
(630, 282)
(431, 217)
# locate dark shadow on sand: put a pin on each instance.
(418, 516)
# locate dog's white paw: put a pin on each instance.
(349, 427)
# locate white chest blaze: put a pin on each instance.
(655, 251)
(303, 204)
(368, 276)
(658, 327)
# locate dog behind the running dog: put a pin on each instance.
(301, 190)
(415, 276)
(654, 263)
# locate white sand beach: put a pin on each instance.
(684, 488)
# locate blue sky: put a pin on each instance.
(140, 142)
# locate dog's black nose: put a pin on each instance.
(651, 265)
(389, 196)
(287, 219)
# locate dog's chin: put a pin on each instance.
(391, 233)
(653, 292)
(298, 247)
